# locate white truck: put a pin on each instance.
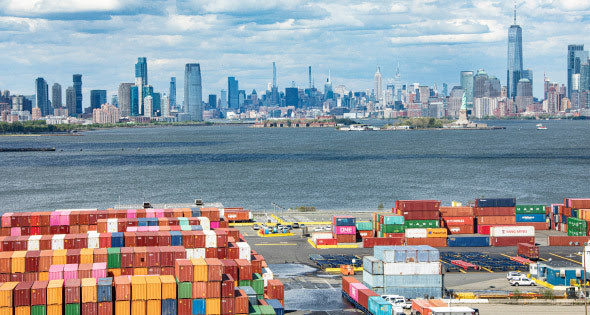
(397, 301)
(522, 281)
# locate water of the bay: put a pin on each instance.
(320, 167)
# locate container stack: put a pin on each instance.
(494, 212)
(389, 225)
(532, 215)
(419, 213)
(344, 229)
(577, 211)
(576, 227)
(364, 229)
(410, 271)
(458, 220)
(364, 298)
(511, 235)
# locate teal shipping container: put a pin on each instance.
(378, 306)
(199, 307)
(364, 225)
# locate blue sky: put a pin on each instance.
(432, 41)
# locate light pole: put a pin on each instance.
(584, 263)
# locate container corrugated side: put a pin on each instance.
(373, 280)
(412, 280)
(411, 268)
(373, 265)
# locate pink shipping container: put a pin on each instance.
(485, 229)
(64, 218)
(131, 214)
(142, 229)
(70, 271)
(99, 270)
(56, 272)
(15, 231)
(159, 213)
(153, 228)
(54, 219)
(354, 290)
(132, 229)
(214, 224)
(150, 213)
(6, 219)
(346, 230)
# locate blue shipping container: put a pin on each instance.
(197, 228)
(378, 306)
(105, 290)
(470, 241)
(199, 307)
(169, 307)
(530, 218)
(117, 239)
(142, 222)
(152, 221)
(372, 265)
(496, 202)
(277, 306)
(196, 213)
(175, 238)
(345, 221)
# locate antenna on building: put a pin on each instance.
(514, 12)
(274, 75)
(310, 77)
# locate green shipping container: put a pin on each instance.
(245, 283)
(266, 310)
(185, 290)
(114, 257)
(422, 224)
(254, 310)
(530, 209)
(393, 228)
(38, 310)
(364, 225)
(257, 283)
(72, 309)
(393, 219)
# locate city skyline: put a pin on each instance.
(429, 50)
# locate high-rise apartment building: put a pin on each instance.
(223, 99)
(42, 96)
(165, 105)
(378, 85)
(193, 91)
(124, 95)
(97, 98)
(514, 57)
(71, 101)
(77, 78)
(292, 97)
(56, 96)
(172, 92)
(141, 70)
(576, 56)
(232, 93)
(212, 101)
(524, 95)
(467, 84)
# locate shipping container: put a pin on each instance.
(470, 241)
(528, 251)
(559, 240)
(72, 292)
(456, 211)
(495, 211)
(496, 220)
(457, 221)
(430, 241)
(122, 288)
(370, 242)
(55, 292)
(104, 290)
(411, 268)
(22, 294)
(417, 205)
(138, 288)
(503, 231)
(511, 240)
(496, 202)
(420, 215)
(463, 229)
(39, 293)
(89, 290)
(531, 209)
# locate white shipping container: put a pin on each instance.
(430, 268)
(267, 275)
(205, 223)
(221, 212)
(244, 250)
(33, 243)
(210, 239)
(199, 253)
(112, 225)
(190, 253)
(320, 236)
(57, 241)
(416, 233)
(93, 239)
(501, 231)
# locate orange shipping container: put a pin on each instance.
(55, 292)
(154, 307)
(496, 220)
(140, 271)
(45, 259)
(122, 308)
(138, 288)
(5, 262)
(6, 293)
(436, 232)
(432, 241)
(87, 256)
(18, 261)
(59, 257)
(89, 290)
(138, 307)
(22, 310)
(5, 310)
(54, 309)
(43, 276)
(199, 290)
(168, 287)
(153, 288)
(199, 270)
(213, 306)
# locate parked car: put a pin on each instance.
(397, 301)
(295, 225)
(522, 281)
(318, 228)
(513, 275)
(302, 225)
(255, 227)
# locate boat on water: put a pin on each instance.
(541, 127)
(359, 128)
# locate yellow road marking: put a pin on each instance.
(577, 262)
(577, 254)
(543, 259)
(278, 244)
(484, 268)
(505, 255)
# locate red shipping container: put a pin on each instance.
(32, 261)
(227, 306)
(164, 239)
(199, 290)
(64, 229)
(179, 252)
(185, 306)
(364, 295)
(100, 255)
(199, 239)
(139, 257)
(257, 262)
(457, 221)
(430, 241)
(127, 271)
(462, 229)
(240, 302)
(370, 242)
(528, 251)
(24, 219)
(213, 289)
(184, 270)
(84, 271)
(244, 269)
(44, 218)
(151, 239)
(101, 215)
(562, 240)
(233, 252)
(237, 215)
(17, 277)
(5, 263)
(417, 205)
(166, 257)
(45, 242)
(122, 288)
(230, 268)
(276, 289)
(105, 240)
(221, 238)
(130, 239)
(8, 244)
(154, 271)
(539, 226)
(22, 294)
(39, 293)
(127, 256)
(394, 235)
(577, 203)
(221, 253)
(511, 240)
(31, 276)
(214, 268)
(188, 239)
(140, 239)
(345, 238)
(35, 230)
(21, 243)
(105, 308)
(495, 211)
(496, 220)
(420, 215)
(25, 230)
(363, 234)
(326, 241)
(89, 308)
(82, 218)
(210, 252)
(45, 259)
(153, 256)
(227, 286)
(72, 291)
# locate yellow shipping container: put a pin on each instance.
(6, 293)
(138, 307)
(154, 307)
(89, 290)
(138, 288)
(153, 288)
(87, 256)
(199, 270)
(59, 257)
(213, 306)
(168, 287)
(54, 309)
(140, 271)
(43, 276)
(436, 232)
(115, 272)
(5, 310)
(22, 310)
(122, 308)
(55, 292)
(18, 261)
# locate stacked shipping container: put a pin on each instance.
(494, 212)
(364, 297)
(458, 220)
(532, 215)
(344, 229)
(422, 222)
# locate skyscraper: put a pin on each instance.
(212, 101)
(97, 98)
(514, 57)
(165, 105)
(124, 94)
(292, 97)
(378, 85)
(193, 93)
(524, 95)
(141, 70)
(527, 74)
(77, 78)
(576, 56)
(134, 100)
(71, 101)
(172, 92)
(56, 96)
(223, 99)
(467, 85)
(232, 93)
(42, 96)
(274, 92)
